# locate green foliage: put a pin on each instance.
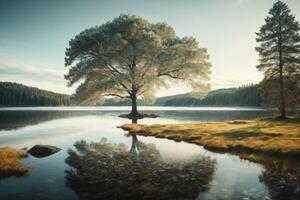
(279, 56)
(14, 94)
(129, 57)
(269, 91)
(242, 96)
(279, 42)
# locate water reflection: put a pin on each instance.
(110, 171)
(135, 148)
(16, 119)
(136, 170)
(281, 176)
(10, 120)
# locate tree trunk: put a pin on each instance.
(282, 95)
(134, 113)
(135, 145)
(281, 81)
(134, 120)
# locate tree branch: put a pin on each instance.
(116, 95)
(171, 76)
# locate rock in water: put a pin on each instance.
(40, 151)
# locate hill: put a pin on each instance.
(242, 96)
(14, 94)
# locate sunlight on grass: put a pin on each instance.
(10, 164)
(265, 135)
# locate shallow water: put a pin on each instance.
(216, 176)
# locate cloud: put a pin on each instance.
(43, 77)
(10, 67)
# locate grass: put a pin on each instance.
(10, 164)
(261, 135)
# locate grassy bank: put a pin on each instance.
(10, 164)
(261, 136)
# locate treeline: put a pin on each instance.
(14, 94)
(242, 96)
(248, 96)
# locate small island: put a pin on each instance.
(10, 164)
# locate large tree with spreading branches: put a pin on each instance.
(279, 50)
(129, 57)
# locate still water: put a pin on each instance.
(98, 160)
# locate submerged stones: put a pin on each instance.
(40, 151)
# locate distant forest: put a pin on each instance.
(14, 94)
(243, 96)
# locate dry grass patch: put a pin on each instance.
(10, 164)
(263, 135)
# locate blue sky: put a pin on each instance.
(35, 33)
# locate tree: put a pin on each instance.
(279, 50)
(129, 57)
(291, 91)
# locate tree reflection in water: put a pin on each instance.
(109, 171)
(282, 177)
(10, 120)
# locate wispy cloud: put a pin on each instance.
(43, 77)
(30, 70)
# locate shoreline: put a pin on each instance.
(262, 136)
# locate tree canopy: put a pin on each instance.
(279, 50)
(129, 57)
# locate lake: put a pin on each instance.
(98, 160)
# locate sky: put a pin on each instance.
(35, 33)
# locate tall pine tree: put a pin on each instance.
(279, 49)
